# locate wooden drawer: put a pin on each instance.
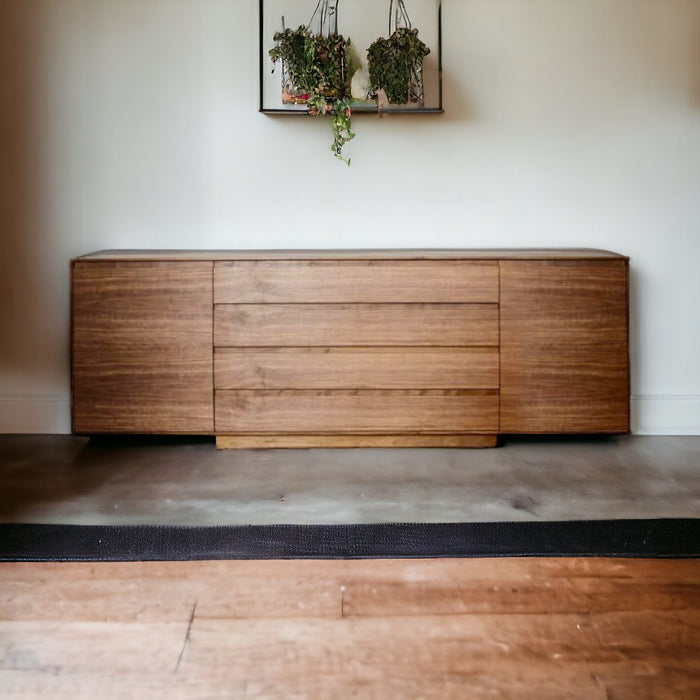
(356, 411)
(336, 281)
(355, 324)
(356, 368)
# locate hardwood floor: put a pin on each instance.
(440, 628)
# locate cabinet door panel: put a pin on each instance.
(142, 354)
(564, 347)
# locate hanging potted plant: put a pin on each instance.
(396, 62)
(316, 71)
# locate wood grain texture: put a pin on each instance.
(269, 589)
(257, 325)
(141, 341)
(310, 440)
(441, 628)
(356, 411)
(356, 368)
(564, 347)
(349, 281)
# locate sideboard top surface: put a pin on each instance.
(348, 254)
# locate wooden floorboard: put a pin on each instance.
(440, 628)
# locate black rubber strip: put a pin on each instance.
(664, 538)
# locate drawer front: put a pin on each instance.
(355, 324)
(356, 411)
(334, 281)
(356, 368)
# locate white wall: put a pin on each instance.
(134, 123)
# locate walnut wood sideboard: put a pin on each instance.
(350, 348)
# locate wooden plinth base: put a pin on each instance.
(257, 441)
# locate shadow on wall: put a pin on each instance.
(695, 59)
(455, 102)
(26, 323)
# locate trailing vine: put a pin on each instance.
(316, 71)
(341, 122)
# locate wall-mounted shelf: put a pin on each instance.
(304, 112)
(362, 22)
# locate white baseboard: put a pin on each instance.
(45, 414)
(651, 415)
(666, 415)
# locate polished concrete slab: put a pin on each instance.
(187, 481)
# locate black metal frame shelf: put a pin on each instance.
(275, 108)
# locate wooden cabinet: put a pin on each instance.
(302, 348)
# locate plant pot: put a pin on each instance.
(396, 62)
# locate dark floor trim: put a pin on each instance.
(609, 538)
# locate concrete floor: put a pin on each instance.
(66, 479)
